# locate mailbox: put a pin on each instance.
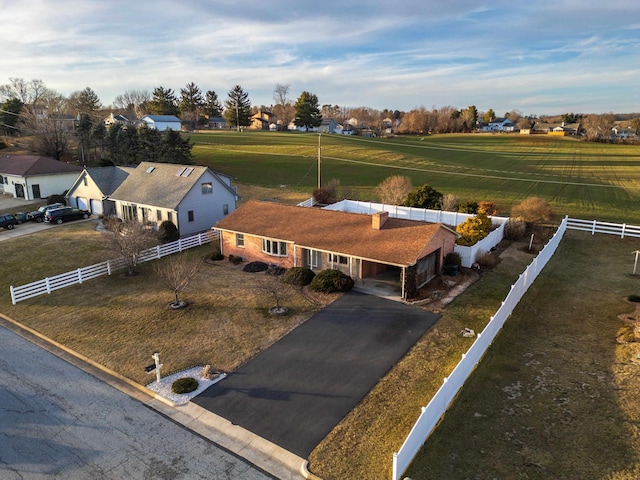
(150, 368)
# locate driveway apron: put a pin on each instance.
(295, 392)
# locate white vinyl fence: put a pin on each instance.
(594, 226)
(81, 275)
(468, 255)
(440, 402)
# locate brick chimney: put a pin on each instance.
(379, 219)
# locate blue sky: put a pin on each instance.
(536, 57)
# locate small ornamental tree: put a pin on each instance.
(128, 239)
(393, 190)
(175, 273)
(474, 229)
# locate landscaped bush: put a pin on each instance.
(216, 256)
(56, 199)
(487, 260)
(235, 259)
(532, 210)
(515, 229)
(453, 258)
(184, 385)
(634, 298)
(298, 276)
(168, 232)
(330, 281)
(473, 229)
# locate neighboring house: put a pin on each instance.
(218, 123)
(94, 186)
(261, 120)
(162, 122)
(32, 177)
(499, 125)
(362, 246)
(112, 119)
(557, 129)
(619, 131)
(328, 125)
(192, 197)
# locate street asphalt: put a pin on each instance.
(295, 392)
(57, 421)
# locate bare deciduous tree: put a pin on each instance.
(128, 239)
(394, 190)
(176, 271)
(449, 203)
(132, 101)
(532, 210)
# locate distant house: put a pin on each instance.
(94, 186)
(557, 129)
(32, 177)
(262, 120)
(499, 125)
(328, 125)
(112, 119)
(623, 132)
(362, 246)
(162, 122)
(218, 123)
(192, 197)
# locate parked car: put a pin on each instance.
(38, 215)
(65, 214)
(7, 221)
(21, 217)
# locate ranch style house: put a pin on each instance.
(32, 177)
(362, 246)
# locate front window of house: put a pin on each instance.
(339, 259)
(190, 215)
(170, 216)
(275, 248)
(159, 215)
(239, 240)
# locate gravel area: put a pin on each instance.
(164, 387)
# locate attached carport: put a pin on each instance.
(295, 392)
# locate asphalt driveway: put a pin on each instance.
(295, 392)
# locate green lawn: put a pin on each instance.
(581, 179)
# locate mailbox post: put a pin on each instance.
(154, 367)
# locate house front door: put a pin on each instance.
(36, 191)
(19, 190)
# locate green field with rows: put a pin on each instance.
(578, 178)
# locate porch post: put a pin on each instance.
(404, 270)
(295, 257)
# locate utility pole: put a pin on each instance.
(319, 162)
(237, 115)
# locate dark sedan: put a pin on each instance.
(65, 214)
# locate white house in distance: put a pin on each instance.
(94, 186)
(192, 197)
(32, 177)
(162, 122)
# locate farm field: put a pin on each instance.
(580, 179)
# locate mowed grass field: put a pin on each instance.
(578, 178)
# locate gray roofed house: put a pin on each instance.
(192, 197)
(94, 186)
(32, 177)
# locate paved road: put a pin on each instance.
(57, 421)
(296, 391)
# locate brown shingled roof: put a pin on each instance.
(399, 242)
(29, 165)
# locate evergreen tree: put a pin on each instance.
(190, 103)
(212, 106)
(307, 112)
(163, 102)
(238, 108)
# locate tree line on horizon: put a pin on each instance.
(30, 107)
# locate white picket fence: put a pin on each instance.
(440, 402)
(75, 277)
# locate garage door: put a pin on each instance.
(96, 207)
(83, 203)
